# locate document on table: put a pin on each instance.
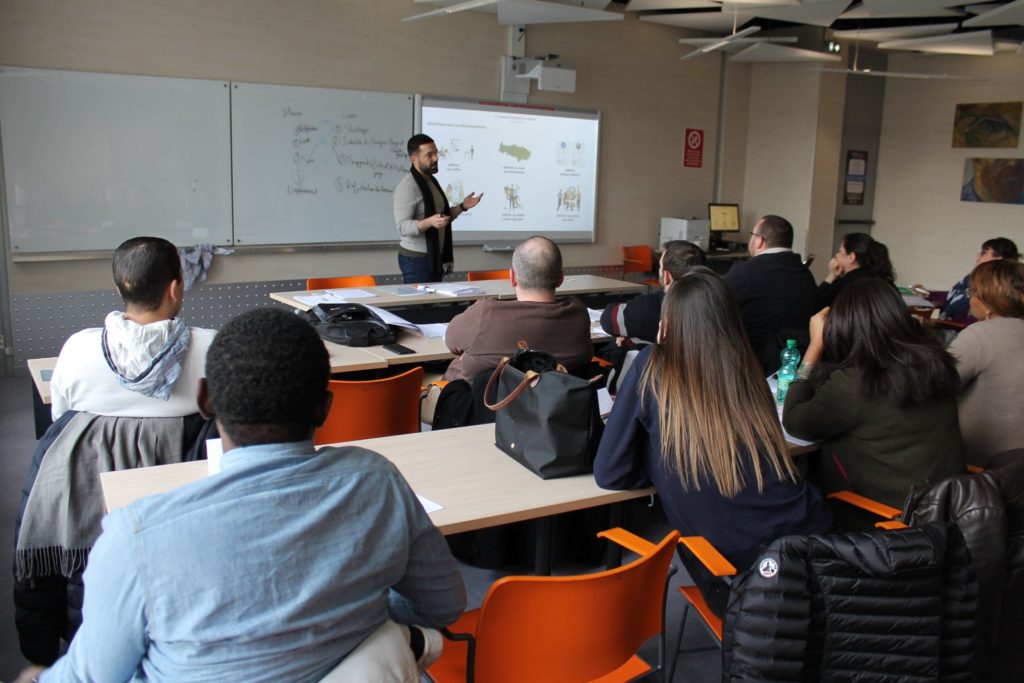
(334, 296)
(605, 401)
(429, 330)
(400, 290)
(390, 318)
(773, 384)
(429, 505)
(455, 289)
(214, 452)
(434, 330)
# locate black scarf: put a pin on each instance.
(436, 257)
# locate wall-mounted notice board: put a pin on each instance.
(93, 159)
(316, 165)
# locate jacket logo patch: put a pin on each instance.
(768, 568)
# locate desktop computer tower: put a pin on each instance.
(693, 230)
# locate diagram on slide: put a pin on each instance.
(512, 197)
(570, 154)
(455, 192)
(517, 152)
(569, 199)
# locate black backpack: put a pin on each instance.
(349, 325)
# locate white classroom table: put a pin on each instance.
(460, 469)
(573, 285)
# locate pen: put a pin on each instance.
(424, 288)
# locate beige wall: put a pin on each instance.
(629, 71)
(795, 121)
(933, 236)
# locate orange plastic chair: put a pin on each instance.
(552, 629)
(340, 282)
(475, 275)
(379, 407)
(639, 259)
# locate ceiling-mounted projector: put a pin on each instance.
(549, 74)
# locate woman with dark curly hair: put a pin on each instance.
(882, 399)
(859, 256)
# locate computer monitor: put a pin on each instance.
(724, 218)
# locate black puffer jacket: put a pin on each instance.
(989, 510)
(878, 606)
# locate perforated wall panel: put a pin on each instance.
(42, 322)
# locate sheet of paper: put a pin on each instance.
(773, 384)
(433, 330)
(914, 300)
(319, 298)
(214, 452)
(429, 505)
(604, 401)
(400, 290)
(396, 320)
(456, 289)
(349, 294)
(595, 314)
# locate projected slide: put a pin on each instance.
(536, 166)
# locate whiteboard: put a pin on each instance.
(316, 165)
(91, 160)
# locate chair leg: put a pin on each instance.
(679, 641)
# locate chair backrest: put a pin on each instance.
(475, 275)
(340, 282)
(571, 628)
(379, 407)
(638, 258)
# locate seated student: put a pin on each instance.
(276, 568)
(988, 356)
(637, 319)
(144, 362)
(958, 301)
(490, 329)
(859, 256)
(695, 417)
(882, 400)
(774, 289)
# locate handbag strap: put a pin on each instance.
(528, 377)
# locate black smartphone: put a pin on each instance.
(399, 349)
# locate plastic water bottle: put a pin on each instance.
(790, 357)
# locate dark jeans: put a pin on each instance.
(414, 269)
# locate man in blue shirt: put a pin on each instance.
(277, 567)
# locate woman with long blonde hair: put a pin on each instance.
(695, 418)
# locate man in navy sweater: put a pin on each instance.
(774, 289)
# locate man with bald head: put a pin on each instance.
(491, 329)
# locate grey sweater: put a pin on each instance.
(988, 355)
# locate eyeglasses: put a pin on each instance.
(755, 234)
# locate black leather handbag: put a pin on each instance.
(349, 325)
(545, 418)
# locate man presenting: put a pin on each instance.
(277, 567)
(774, 289)
(423, 216)
(491, 329)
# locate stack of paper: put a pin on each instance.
(456, 289)
(334, 296)
(427, 330)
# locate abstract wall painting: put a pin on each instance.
(989, 124)
(993, 180)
